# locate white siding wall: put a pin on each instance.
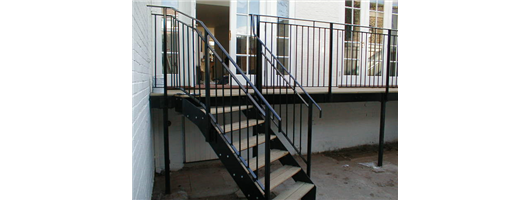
(142, 143)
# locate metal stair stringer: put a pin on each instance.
(224, 151)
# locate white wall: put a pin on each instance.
(332, 11)
(342, 125)
(142, 143)
(353, 124)
(345, 125)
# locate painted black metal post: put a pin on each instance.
(267, 154)
(165, 110)
(259, 67)
(383, 104)
(207, 81)
(330, 60)
(259, 75)
(309, 137)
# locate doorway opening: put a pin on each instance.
(215, 16)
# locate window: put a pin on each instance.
(245, 43)
(376, 20)
(375, 59)
(351, 41)
(353, 16)
(282, 38)
(394, 40)
(172, 35)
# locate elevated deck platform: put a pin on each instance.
(319, 94)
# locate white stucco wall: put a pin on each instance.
(352, 124)
(342, 125)
(346, 125)
(142, 143)
(332, 11)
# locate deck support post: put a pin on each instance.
(384, 99)
(165, 110)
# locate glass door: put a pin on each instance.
(354, 44)
(393, 71)
(376, 45)
(242, 44)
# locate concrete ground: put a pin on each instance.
(343, 174)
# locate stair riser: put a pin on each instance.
(289, 160)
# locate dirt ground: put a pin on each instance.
(343, 174)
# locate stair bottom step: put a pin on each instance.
(281, 175)
(297, 191)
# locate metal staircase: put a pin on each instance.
(245, 131)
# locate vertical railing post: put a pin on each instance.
(309, 136)
(259, 66)
(154, 49)
(259, 74)
(330, 81)
(383, 104)
(207, 81)
(388, 57)
(267, 153)
(165, 109)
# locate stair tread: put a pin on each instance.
(241, 125)
(297, 191)
(227, 109)
(251, 141)
(275, 155)
(281, 175)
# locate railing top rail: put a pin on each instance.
(260, 96)
(319, 21)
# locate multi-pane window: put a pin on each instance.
(245, 44)
(171, 44)
(375, 59)
(351, 41)
(353, 16)
(282, 39)
(376, 20)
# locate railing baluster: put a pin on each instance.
(330, 81)
(309, 136)
(319, 41)
(193, 67)
(207, 80)
(267, 154)
(155, 72)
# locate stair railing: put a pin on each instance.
(277, 82)
(206, 79)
